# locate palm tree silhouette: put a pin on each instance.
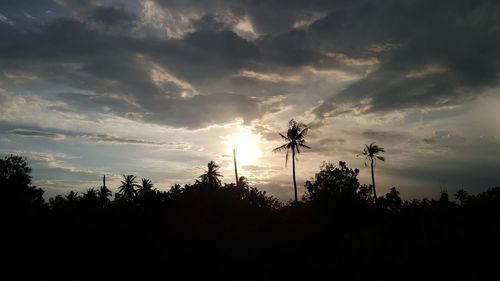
(211, 176)
(146, 187)
(372, 152)
(72, 197)
(242, 182)
(90, 194)
(128, 186)
(103, 193)
(294, 140)
(462, 196)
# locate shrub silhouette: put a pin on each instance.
(231, 230)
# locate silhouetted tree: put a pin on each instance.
(392, 200)
(15, 185)
(15, 170)
(444, 197)
(103, 193)
(372, 152)
(72, 197)
(242, 182)
(145, 188)
(333, 182)
(294, 140)
(127, 187)
(90, 194)
(246, 228)
(211, 175)
(462, 196)
(175, 190)
(58, 203)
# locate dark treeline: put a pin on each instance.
(235, 231)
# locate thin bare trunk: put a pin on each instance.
(235, 168)
(373, 183)
(294, 182)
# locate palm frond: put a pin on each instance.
(304, 145)
(381, 158)
(280, 148)
(286, 157)
(283, 136)
(303, 133)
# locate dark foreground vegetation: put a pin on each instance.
(236, 232)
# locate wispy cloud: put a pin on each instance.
(37, 134)
(100, 138)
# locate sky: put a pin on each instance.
(158, 88)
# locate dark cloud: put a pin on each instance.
(442, 138)
(205, 110)
(430, 55)
(118, 140)
(268, 17)
(225, 44)
(290, 49)
(447, 54)
(77, 5)
(114, 17)
(40, 134)
(209, 22)
(117, 69)
(386, 136)
(328, 145)
(57, 134)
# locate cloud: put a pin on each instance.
(5, 20)
(226, 44)
(439, 65)
(385, 136)
(36, 134)
(116, 17)
(268, 77)
(100, 138)
(358, 71)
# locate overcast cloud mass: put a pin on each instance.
(157, 88)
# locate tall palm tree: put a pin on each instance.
(294, 140)
(128, 186)
(103, 193)
(211, 176)
(371, 152)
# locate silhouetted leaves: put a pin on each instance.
(211, 175)
(237, 230)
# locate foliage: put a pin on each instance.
(211, 175)
(332, 182)
(15, 183)
(230, 229)
(294, 139)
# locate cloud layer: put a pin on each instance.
(415, 75)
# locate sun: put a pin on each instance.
(247, 146)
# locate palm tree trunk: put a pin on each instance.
(373, 183)
(293, 167)
(235, 168)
